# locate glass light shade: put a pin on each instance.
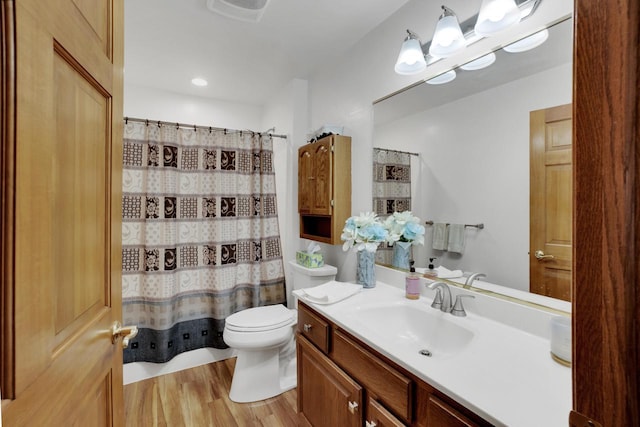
(528, 43)
(411, 58)
(443, 78)
(480, 63)
(496, 16)
(448, 38)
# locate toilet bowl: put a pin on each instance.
(264, 338)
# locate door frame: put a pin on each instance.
(606, 225)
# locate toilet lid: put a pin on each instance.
(260, 318)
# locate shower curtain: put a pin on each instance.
(200, 235)
(391, 190)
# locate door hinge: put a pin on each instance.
(332, 148)
(332, 203)
(576, 419)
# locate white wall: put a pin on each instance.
(147, 103)
(474, 168)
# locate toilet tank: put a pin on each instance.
(304, 277)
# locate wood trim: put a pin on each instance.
(606, 338)
(7, 193)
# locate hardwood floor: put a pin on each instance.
(199, 397)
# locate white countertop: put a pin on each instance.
(504, 374)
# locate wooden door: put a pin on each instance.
(305, 178)
(62, 197)
(326, 395)
(550, 251)
(323, 173)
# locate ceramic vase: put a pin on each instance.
(401, 255)
(366, 271)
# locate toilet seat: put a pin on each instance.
(260, 319)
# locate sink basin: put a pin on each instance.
(417, 326)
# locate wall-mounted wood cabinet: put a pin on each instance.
(344, 382)
(324, 188)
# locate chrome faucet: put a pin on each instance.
(470, 279)
(444, 304)
(458, 309)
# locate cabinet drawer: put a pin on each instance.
(314, 328)
(378, 416)
(440, 414)
(390, 387)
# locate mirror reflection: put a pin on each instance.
(475, 149)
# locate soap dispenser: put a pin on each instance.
(431, 270)
(412, 283)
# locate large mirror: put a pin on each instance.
(472, 138)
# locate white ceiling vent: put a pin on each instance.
(243, 10)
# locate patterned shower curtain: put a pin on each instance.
(200, 235)
(391, 189)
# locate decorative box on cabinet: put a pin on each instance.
(338, 374)
(324, 188)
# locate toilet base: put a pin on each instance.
(261, 374)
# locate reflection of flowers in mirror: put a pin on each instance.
(365, 232)
(404, 227)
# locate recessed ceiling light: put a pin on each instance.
(198, 81)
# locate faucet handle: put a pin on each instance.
(458, 309)
(437, 300)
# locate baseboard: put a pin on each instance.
(138, 371)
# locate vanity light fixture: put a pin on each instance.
(496, 16)
(443, 78)
(480, 63)
(528, 43)
(411, 59)
(448, 38)
(199, 81)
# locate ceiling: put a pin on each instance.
(168, 42)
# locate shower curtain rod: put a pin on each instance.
(195, 127)
(397, 151)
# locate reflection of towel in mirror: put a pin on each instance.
(445, 273)
(329, 292)
(440, 236)
(456, 238)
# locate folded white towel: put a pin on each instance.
(445, 273)
(440, 236)
(329, 293)
(456, 238)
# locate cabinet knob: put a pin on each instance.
(353, 407)
(307, 327)
(370, 424)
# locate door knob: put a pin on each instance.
(353, 407)
(540, 256)
(307, 327)
(126, 332)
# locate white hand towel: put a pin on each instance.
(440, 236)
(456, 238)
(445, 273)
(329, 293)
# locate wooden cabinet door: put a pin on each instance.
(59, 364)
(378, 416)
(323, 173)
(305, 179)
(441, 414)
(326, 395)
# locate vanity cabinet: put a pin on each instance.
(324, 188)
(337, 373)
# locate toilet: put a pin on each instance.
(264, 338)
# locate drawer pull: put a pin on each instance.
(370, 424)
(307, 327)
(353, 407)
